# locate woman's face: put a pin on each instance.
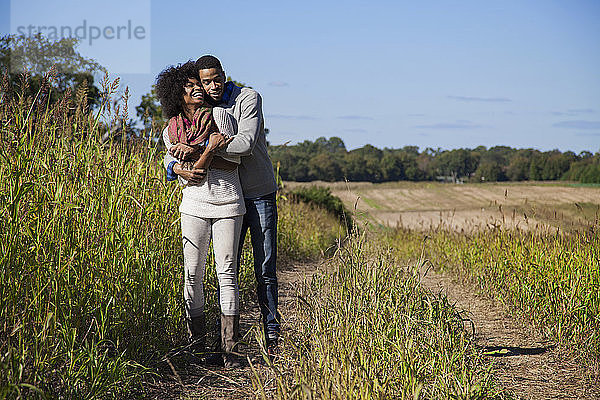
(192, 92)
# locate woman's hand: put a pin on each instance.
(192, 175)
(182, 151)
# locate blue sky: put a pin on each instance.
(431, 73)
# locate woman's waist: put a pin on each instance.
(216, 184)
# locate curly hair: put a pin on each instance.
(169, 87)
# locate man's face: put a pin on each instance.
(213, 82)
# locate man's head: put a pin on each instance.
(211, 76)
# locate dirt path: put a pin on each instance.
(525, 363)
(183, 380)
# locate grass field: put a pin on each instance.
(533, 246)
(91, 275)
(91, 271)
(368, 330)
(552, 280)
(90, 254)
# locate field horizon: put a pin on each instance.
(469, 206)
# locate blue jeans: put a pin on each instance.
(261, 219)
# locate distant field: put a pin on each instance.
(426, 205)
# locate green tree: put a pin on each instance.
(333, 145)
(392, 167)
(38, 55)
(457, 163)
(586, 170)
(324, 167)
(488, 171)
(370, 157)
(150, 113)
(536, 166)
(557, 164)
(518, 168)
(328, 159)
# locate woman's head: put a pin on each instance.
(177, 86)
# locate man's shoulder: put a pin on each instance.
(244, 97)
(247, 93)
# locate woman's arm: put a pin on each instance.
(221, 163)
(185, 152)
(174, 166)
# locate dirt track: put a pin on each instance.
(523, 361)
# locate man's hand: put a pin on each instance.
(182, 151)
(218, 141)
(192, 175)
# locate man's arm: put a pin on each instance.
(250, 125)
(208, 158)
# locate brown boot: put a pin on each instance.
(230, 332)
(197, 333)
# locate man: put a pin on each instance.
(258, 185)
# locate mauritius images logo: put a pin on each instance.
(114, 33)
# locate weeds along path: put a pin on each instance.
(181, 381)
(524, 362)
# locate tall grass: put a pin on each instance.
(90, 250)
(367, 330)
(552, 278)
(305, 231)
(321, 197)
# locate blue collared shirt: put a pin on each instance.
(227, 92)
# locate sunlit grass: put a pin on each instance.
(368, 330)
(553, 279)
(90, 252)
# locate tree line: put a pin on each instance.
(324, 159)
(329, 160)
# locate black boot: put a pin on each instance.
(272, 340)
(214, 356)
(230, 332)
(197, 333)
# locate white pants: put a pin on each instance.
(196, 232)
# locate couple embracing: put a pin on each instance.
(217, 150)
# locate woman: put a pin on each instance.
(212, 202)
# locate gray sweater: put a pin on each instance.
(256, 170)
(249, 142)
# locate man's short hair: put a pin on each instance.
(208, 61)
